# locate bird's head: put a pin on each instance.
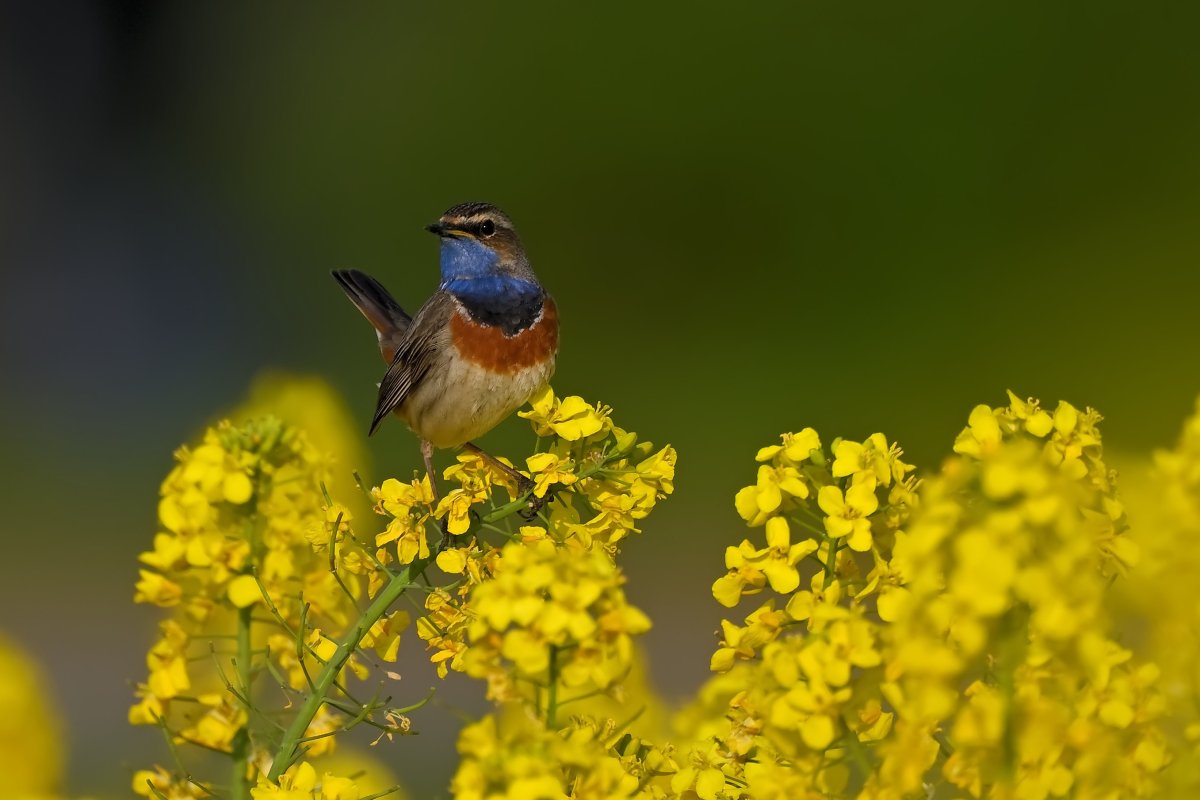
(479, 241)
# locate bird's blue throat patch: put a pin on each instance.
(471, 273)
(465, 258)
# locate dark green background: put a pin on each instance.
(858, 216)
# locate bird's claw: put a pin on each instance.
(448, 538)
(525, 487)
(455, 539)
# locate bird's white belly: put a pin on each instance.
(459, 401)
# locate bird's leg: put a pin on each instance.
(427, 457)
(524, 483)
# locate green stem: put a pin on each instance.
(291, 744)
(289, 747)
(240, 785)
(831, 560)
(552, 691)
(859, 753)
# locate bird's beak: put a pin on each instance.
(445, 231)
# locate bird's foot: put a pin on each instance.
(534, 503)
(448, 538)
(455, 539)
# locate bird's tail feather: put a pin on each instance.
(374, 301)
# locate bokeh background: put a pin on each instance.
(857, 216)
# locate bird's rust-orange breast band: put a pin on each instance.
(490, 348)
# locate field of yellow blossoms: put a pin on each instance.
(1021, 623)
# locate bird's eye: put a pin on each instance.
(487, 228)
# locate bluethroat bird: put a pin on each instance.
(478, 349)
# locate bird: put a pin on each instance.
(476, 351)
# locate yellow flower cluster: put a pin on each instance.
(261, 573)
(1008, 567)
(260, 566)
(31, 750)
(549, 612)
(300, 782)
(802, 691)
(514, 755)
(953, 632)
(952, 636)
(542, 617)
(237, 513)
(547, 605)
(1159, 607)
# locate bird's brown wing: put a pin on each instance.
(378, 306)
(415, 356)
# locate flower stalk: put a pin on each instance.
(290, 748)
(239, 779)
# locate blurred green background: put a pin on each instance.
(857, 216)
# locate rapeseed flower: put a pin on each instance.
(947, 632)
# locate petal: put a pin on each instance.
(891, 603)
(793, 484)
(727, 590)
(801, 549)
(540, 462)
(847, 458)
(453, 560)
(860, 539)
(243, 591)
(1040, 424)
(783, 577)
(767, 453)
(237, 488)
(838, 526)
(1065, 417)
(799, 446)
(830, 500)
(861, 497)
(817, 731)
(710, 783)
(746, 503)
(778, 534)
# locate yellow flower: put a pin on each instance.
(659, 470)
(168, 663)
(795, 449)
(453, 559)
(571, 418)
(756, 503)
(156, 589)
(336, 788)
(1035, 421)
(778, 560)
(548, 469)
(761, 628)
(819, 605)
(402, 499)
(706, 781)
(982, 434)
(874, 459)
(168, 553)
(243, 591)
(456, 507)
(297, 783)
(319, 734)
(165, 785)
(31, 749)
(745, 575)
(409, 535)
(848, 513)
(384, 635)
(218, 726)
